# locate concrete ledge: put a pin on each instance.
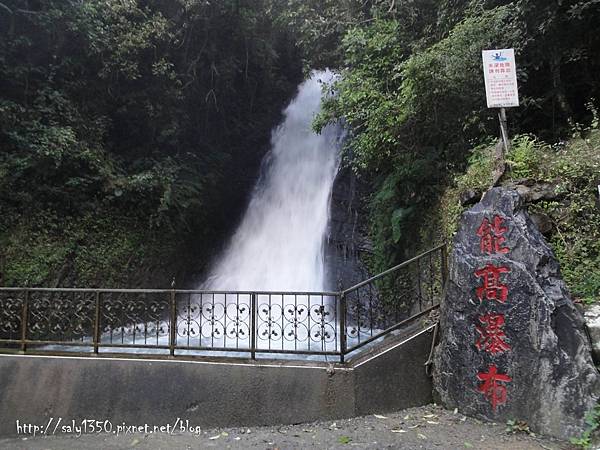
(394, 378)
(210, 393)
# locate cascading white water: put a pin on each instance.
(279, 243)
(278, 246)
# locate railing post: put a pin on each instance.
(24, 320)
(253, 326)
(444, 266)
(343, 343)
(173, 320)
(419, 290)
(97, 323)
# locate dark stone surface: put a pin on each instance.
(532, 192)
(209, 393)
(347, 240)
(553, 380)
(543, 222)
(469, 197)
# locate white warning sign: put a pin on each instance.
(500, 74)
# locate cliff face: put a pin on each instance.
(347, 243)
(513, 344)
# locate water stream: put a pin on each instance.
(279, 244)
(278, 247)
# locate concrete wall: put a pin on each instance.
(210, 393)
(395, 378)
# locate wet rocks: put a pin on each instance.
(469, 197)
(592, 320)
(347, 239)
(512, 345)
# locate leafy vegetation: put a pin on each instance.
(517, 426)
(592, 420)
(412, 95)
(130, 130)
(574, 215)
(344, 440)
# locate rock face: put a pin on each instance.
(512, 343)
(469, 197)
(347, 239)
(592, 321)
(532, 191)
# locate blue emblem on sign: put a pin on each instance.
(498, 57)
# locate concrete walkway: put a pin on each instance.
(428, 427)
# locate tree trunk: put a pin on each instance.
(559, 91)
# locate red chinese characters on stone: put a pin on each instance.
(491, 387)
(491, 235)
(491, 288)
(492, 338)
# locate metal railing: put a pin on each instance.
(394, 298)
(179, 322)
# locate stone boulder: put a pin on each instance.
(512, 342)
(532, 191)
(592, 321)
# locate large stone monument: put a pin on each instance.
(512, 342)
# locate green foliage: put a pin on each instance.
(517, 426)
(574, 215)
(410, 118)
(31, 256)
(442, 87)
(344, 440)
(557, 75)
(480, 168)
(522, 159)
(581, 129)
(93, 250)
(592, 420)
(389, 221)
(319, 26)
(156, 113)
(133, 110)
(411, 92)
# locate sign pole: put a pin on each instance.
(500, 150)
(504, 129)
(501, 91)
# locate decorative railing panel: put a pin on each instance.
(133, 319)
(185, 322)
(212, 320)
(386, 301)
(11, 314)
(62, 316)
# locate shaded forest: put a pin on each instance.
(131, 131)
(413, 97)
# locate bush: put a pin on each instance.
(575, 215)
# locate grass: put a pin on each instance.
(574, 167)
(99, 249)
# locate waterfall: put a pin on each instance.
(279, 244)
